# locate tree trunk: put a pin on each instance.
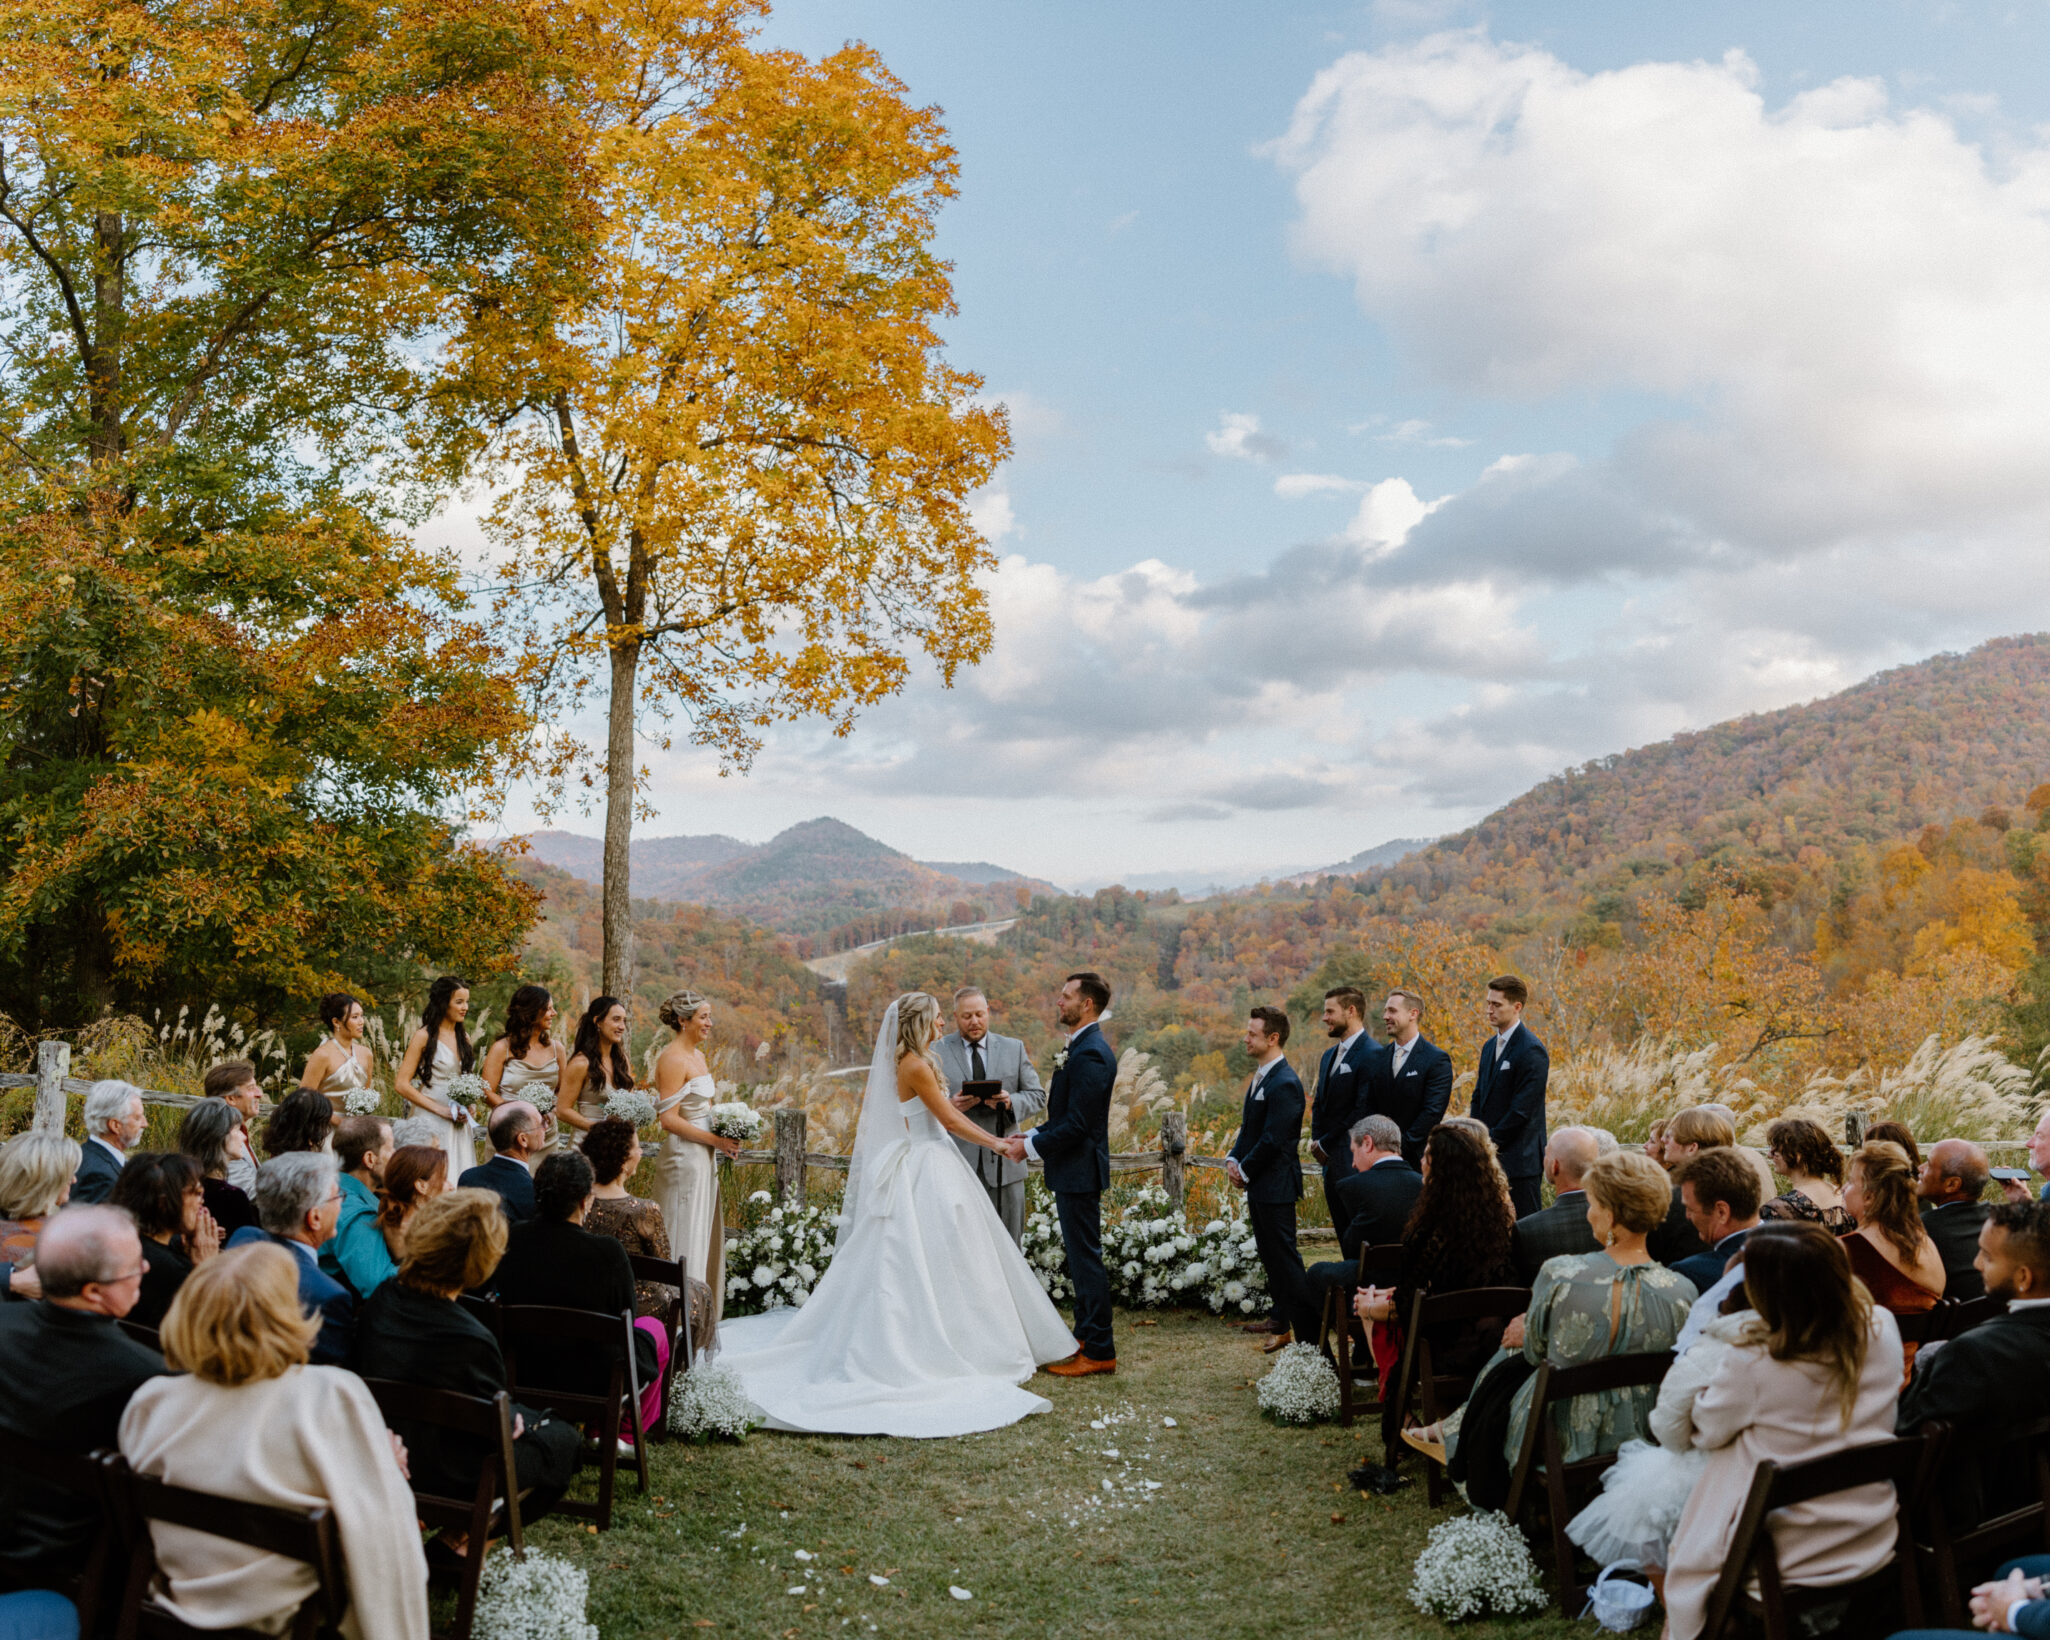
(619, 822)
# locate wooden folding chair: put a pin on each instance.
(1963, 1314)
(1904, 1464)
(493, 1507)
(142, 1335)
(1421, 1389)
(669, 1272)
(616, 1409)
(308, 1536)
(1952, 1554)
(86, 1475)
(1378, 1266)
(1542, 1461)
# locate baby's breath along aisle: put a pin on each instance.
(1160, 1503)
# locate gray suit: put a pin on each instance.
(1005, 1061)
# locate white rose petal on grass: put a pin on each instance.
(1167, 1423)
(879, 1582)
(800, 1589)
(960, 1593)
(803, 1554)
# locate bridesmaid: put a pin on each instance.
(687, 1177)
(524, 1060)
(341, 1064)
(437, 1054)
(597, 1066)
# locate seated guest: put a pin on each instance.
(35, 1180)
(114, 1120)
(1814, 1168)
(1818, 1372)
(233, 1082)
(414, 1176)
(298, 1198)
(303, 1120)
(1948, 1187)
(160, 1191)
(1561, 1228)
(416, 1330)
(357, 1256)
(516, 1131)
(214, 1136)
(1890, 1251)
(1655, 1143)
(247, 1418)
(1584, 1307)
(613, 1149)
(1719, 1191)
(1991, 1378)
(1676, 1239)
(66, 1372)
(1695, 1129)
(1605, 1142)
(1376, 1197)
(553, 1259)
(1896, 1133)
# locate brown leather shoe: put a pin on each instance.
(1081, 1366)
(1280, 1341)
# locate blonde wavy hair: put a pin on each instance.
(918, 1026)
(237, 1320)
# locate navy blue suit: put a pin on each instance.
(1415, 1101)
(320, 1294)
(97, 1171)
(1509, 1100)
(509, 1180)
(1334, 1110)
(1074, 1145)
(1270, 1129)
(1706, 1269)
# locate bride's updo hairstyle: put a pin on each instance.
(677, 1011)
(918, 1025)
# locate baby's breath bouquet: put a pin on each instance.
(734, 1120)
(708, 1402)
(1477, 1565)
(778, 1260)
(542, 1099)
(532, 1597)
(1300, 1388)
(362, 1101)
(465, 1089)
(1044, 1249)
(631, 1105)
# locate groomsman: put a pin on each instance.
(971, 1053)
(1340, 1076)
(1264, 1164)
(1409, 1080)
(1509, 1097)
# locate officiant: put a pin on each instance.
(992, 1083)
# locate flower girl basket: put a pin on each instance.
(1617, 1603)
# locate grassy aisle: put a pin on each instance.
(1221, 1525)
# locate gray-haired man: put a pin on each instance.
(971, 1053)
(298, 1199)
(114, 1120)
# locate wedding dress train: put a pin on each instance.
(928, 1320)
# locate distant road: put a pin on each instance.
(836, 965)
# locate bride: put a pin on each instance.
(928, 1319)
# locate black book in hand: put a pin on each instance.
(986, 1094)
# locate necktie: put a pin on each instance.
(1401, 1053)
(975, 1060)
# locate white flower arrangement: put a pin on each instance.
(708, 1403)
(362, 1101)
(1155, 1257)
(778, 1259)
(1044, 1249)
(532, 1597)
(1477, 1565)
(734, 1120)
(465, 1089)
(1060, 1059)
(631, 1105)
(542, 1099)
(1300, 1388)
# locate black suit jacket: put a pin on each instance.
(1954, 1227)
(1415, 1101)
(1552, 1232)
(320, 1294)
(97, 1171)
(1074, 1140)
(511, 1181)
(1377, 1205)
(1705, 1268)
(565, 1265)
(1336, 1105)
(1984, 1383)
(1270, 1129)
(1676, 1239)
(1509, 1099)
(65, 1380)
(416, 1338)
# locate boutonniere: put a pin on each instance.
(1060, 1058)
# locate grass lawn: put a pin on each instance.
(1248, 1529)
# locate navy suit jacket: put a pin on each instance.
(1337, 1103)
(321, 1295)
(1706, 1269)
(1509, 1099)
(1074, 1140)
(1415, 1101)
(1270, 1129)
(512, 1182)
(97, 1171)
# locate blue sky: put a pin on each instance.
(1713, 337)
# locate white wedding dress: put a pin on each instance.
(928, 1320)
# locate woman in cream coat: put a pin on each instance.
(253, 1421)
(1818, 1371)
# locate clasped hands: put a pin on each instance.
(1993, 1604)
(1013, 1147)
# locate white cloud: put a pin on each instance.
(1238, 435)
(990, 511)
(1294, 486)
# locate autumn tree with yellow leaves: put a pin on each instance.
(737, 485)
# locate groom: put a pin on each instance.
(1074, 1144)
